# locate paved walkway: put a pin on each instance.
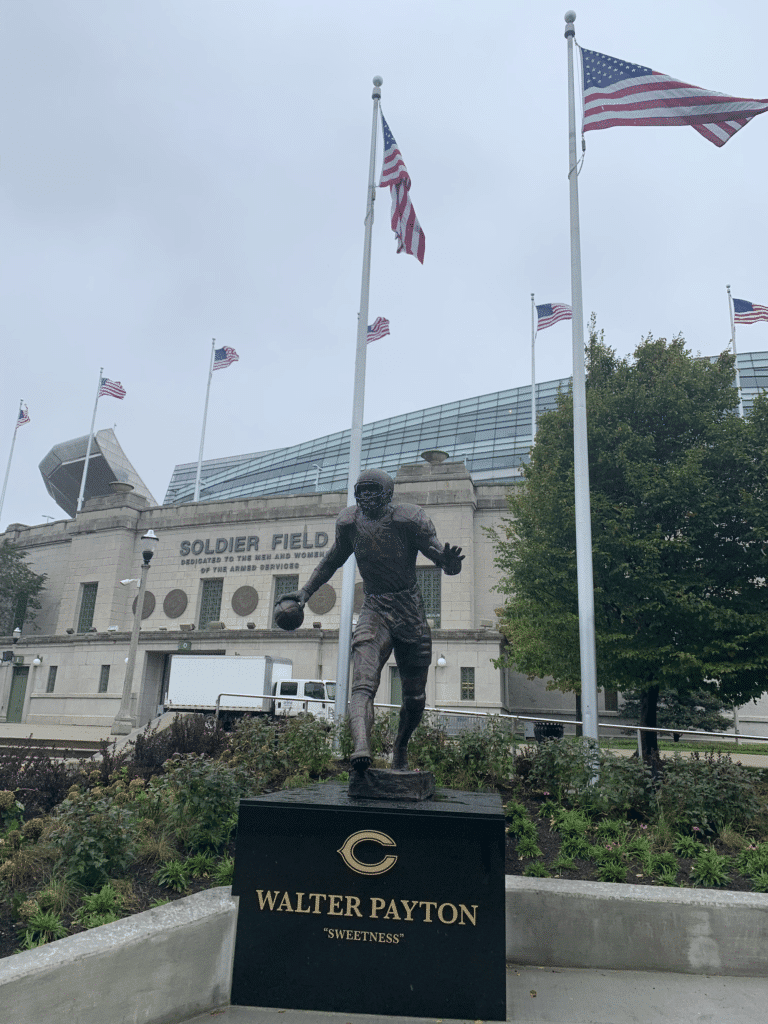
(540, 995)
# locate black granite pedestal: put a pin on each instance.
(370, 906)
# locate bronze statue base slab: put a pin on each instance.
(391, 784)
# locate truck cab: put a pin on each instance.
(307, 696)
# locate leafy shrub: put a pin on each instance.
(431, 750)
(225, 871)
(100, 907)
(537, 869)
(686, 846)
(527, 848)
(753, 859)
(707, 792)
(200, 865)
(624, 787)
(11, 811)
(564, 768)
(187, 734)
(38, 780)
(306, 743)
(664, 863)
(204, 797)
(562, 863)
(383, 733)
(710, 869)
(253, 750)
(42, 926)
(96, 837)
(173, 875)
(486, 755)
(612, 870)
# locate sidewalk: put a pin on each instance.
(541, 995)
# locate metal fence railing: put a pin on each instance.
(514, 719)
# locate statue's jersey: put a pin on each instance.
(385, 549)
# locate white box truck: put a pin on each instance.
(235, 686)
(244, 684)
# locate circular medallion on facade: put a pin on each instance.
(359, 598)
(322, 600)
(175, 604)
(149, 604)
(244, 600)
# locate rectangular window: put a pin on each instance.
(104, 679)
(51, 679)
(611, 700)
(467, 684)
(289, 689)
(210, 602)
(429, 579)
(87, 606)
(284, 585)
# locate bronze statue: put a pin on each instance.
(385, 540)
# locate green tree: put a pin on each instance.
(677, 484)
(19, 589)
(692, 709)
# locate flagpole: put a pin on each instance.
(533, 374)
(580, 449)
(733, 346)
(205, 417)
(10, 457)
(88, 449)
(356, 435)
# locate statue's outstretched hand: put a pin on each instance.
(452, 559)
(299, 596)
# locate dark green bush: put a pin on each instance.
(96, 837)
(204, 799)
(707, 792)
(305, 743)
(187, 734)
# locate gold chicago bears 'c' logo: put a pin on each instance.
(347, 852)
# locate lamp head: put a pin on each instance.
(149, 542)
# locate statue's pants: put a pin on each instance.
(388, 622)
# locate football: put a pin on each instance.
(288, 614)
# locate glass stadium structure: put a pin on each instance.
(491, 434)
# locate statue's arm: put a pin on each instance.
(447, 557)
(336, 557)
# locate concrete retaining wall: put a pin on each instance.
(553, 922)
(165, 965)
(174, 962)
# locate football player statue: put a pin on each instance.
(385, 539)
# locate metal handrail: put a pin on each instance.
(522, 718)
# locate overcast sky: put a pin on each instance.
(177, 170)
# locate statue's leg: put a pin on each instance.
(414, 699)
(413, 660)
(371, 647)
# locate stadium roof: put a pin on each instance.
(490, 433)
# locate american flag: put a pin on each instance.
(111, 387)
(224, 357)
(378, 329)
(551, 312)
(748, 312)
(619, 93)
(410, 237)
(23, 417)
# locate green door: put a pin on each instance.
(18, 691)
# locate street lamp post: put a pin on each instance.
(124, 721)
